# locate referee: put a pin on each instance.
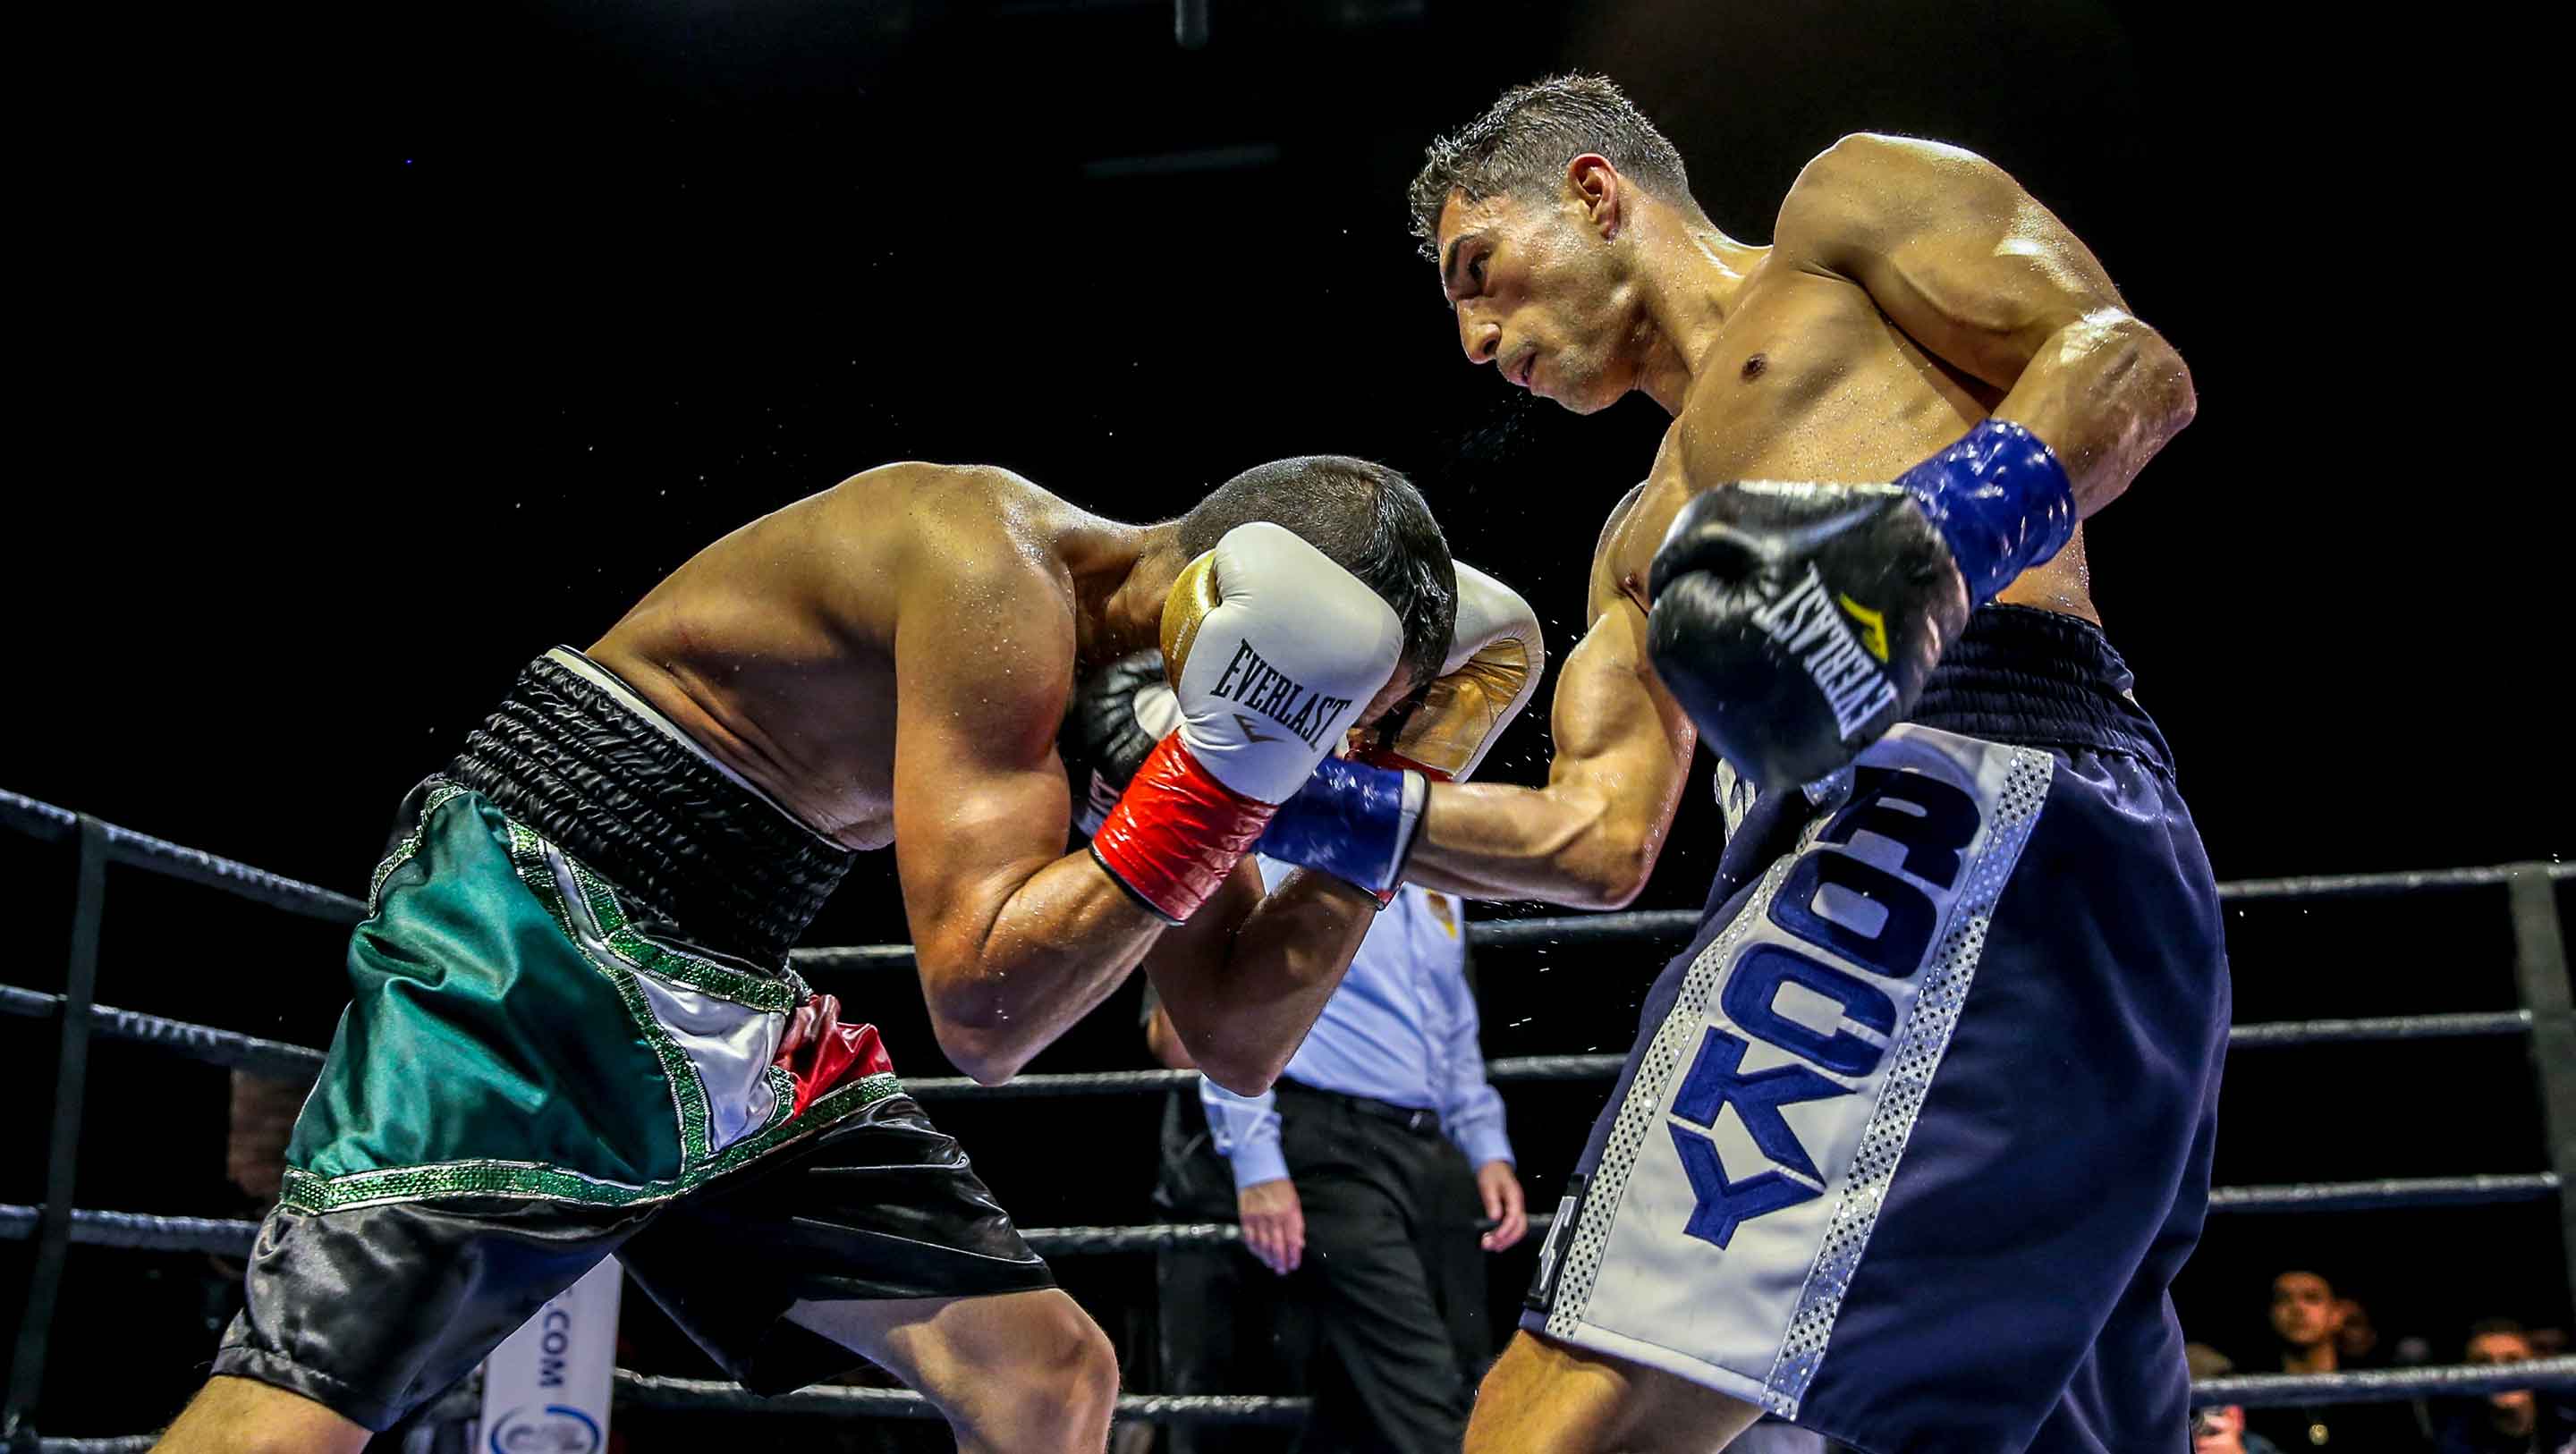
(1373, 1179)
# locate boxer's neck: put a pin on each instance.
(1122, 608)
(1689, 274)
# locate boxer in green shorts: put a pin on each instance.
(574, 1029)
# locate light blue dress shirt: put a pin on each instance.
(1401, 1029)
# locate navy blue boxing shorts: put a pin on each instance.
(1917, 1132)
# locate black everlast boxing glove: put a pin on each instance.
(1112, 721)
(1796, 623)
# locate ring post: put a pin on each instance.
(2540, 965)
(62, 1149)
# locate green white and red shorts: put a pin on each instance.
(541, 1067)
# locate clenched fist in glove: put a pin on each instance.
(1796, 623)
(1272, 651)
(1356, 817)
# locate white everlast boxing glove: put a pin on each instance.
(1272, 650)
(1355, 817)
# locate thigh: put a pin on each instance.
(959, 1353)
(882, 1207)
(1545, 1397)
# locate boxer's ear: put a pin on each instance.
(1599, 190)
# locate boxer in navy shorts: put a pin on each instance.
(1916, 1134)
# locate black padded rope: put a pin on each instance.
(705, 1395)
(171, 860)
(142, 1231)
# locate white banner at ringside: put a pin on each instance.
(545, 1389)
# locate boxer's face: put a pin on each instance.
(1541, 293)
(2303, 1309)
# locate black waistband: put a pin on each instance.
(1411, 1118)
(628, 797)
(2040, 679)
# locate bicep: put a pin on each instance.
(1949, 247)
(1615, 726)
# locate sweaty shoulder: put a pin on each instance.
(914, 536)
(990, 514)
(1869, 186)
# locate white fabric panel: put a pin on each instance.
(1752, 1318)
(732, 1047)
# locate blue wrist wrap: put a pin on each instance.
(1348, 821)
(2000, 499)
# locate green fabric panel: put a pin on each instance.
(477, 1031)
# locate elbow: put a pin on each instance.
(974, 1031)
(1606, 871)
(2185, 396)
(1246, 1070)
(1245, 1076)
(2150, 374)
(983, 1054)
(1613, 886)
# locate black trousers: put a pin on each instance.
(1391, 1291)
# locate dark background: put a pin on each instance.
(385, 348)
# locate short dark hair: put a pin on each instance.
(1368, 519)
(2498, 1328)
(1523, 141)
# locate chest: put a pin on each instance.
(1810, 381)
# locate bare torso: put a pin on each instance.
(1808, 380)
(775, 647)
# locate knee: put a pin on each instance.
(1063, 1375)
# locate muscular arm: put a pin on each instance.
(1016, 938)
(1969, 265)
(1589, 838)
(1244, 979)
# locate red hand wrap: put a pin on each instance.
(1177, 832)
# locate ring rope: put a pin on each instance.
(1682, 923)
(48, 823)
(2383, 1385)
(197, 1042)
(302, 1063)
(2386, 1193)
(651, 1391)
(143, 1231)
(2256, 1390)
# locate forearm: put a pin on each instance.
(1243, 1002)
(1565, 843)
(1059, 944)
(2105, 392)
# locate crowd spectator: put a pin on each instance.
(2517, 1421)
(2307, 1321)
(2356, 1337)
(1368, 1181)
